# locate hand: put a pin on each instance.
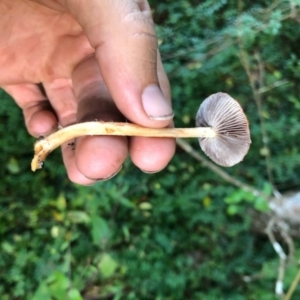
(96, 60)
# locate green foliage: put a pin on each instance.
(237, 197)
(183, 233)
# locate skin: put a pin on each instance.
(95, 60)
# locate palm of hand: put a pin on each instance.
(47, 44)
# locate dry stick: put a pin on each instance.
(293, 287)
(279, 284)
(282, 257)
(224, 175)
(253, 80)
(222, 129)
(284, 231)
(272, 86)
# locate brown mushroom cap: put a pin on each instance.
(226, 117)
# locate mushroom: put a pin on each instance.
(222, 129)
(226, 117)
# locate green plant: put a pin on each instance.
(186, 232)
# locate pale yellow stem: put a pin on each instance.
(46, 145)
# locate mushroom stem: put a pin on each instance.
(46, 145)
(222, 130)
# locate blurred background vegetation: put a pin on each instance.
(186, 232)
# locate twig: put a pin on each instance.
(274, 85)
(284, 231)
(256, 83)
(293, 286)
(282, 257)
(192, 152)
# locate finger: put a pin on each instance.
(126, 49)
(73, 173)
(69, 161)
(61, 96)
(40, 119)
(122, 32)
(153, 154)
(97, 157)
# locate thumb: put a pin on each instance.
(123, 35)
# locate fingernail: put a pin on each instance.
(151, 172)
(155, 104)
(106, 178)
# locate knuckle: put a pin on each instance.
(139, 25)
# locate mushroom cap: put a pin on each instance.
(226, 117)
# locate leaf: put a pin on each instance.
(239, 196)
(107, 265)
(269, 269)
(61, 202)
(100, 230)
(232, 210)
(54, 231)
(13, 166)
(74, 294)
(145, 206)
(126, 232)
(42, 292)
(78, 217)
(267, 188)
(261, 205)
(126, 202)
(7, 247)
(58, 285)
(206, 201)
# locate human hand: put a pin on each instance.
(86, 53)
